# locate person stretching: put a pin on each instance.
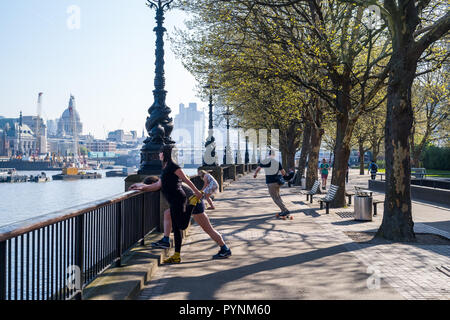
(210, 186)
(170, 184)
(273, 180)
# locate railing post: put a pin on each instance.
(2, 270)
(143, 220)
(79, 252)
(119, 234)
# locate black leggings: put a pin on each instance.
(177, 206)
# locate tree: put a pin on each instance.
(414, 26)
(431, 109)
(332, 39)
(361, 140)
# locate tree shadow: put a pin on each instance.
(196, 289)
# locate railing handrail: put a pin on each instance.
(16, 229)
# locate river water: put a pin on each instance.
(22, 201)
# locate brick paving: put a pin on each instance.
(309, 257)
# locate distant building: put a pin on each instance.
(32, 122)
(52, 128)
(121, 136)
(189, 133)
(101, 146)
(69, 121)
(17, 138)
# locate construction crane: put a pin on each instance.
(38, 125)
(74, 130)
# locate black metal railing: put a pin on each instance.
(226, 172)
(54, 257)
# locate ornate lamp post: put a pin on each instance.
(254, 152)
(227, 156)
(159, 126)
(247, 155)
(238, 152)
(210, 156)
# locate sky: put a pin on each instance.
(105, 59)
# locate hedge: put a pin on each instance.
(436, 158)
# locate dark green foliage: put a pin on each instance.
(436, 158)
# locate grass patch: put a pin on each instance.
(430, 173)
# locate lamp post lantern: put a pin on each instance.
(159, 125)
(210, 156)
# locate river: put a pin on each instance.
(22, 201)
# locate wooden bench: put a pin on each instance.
(349, 194)
(374, 203)
(418, 173)
(328, 198)
(313, 191)
(381, 175)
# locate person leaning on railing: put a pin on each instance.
(170, 184)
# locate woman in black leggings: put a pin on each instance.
(170, 184)
(171, 178)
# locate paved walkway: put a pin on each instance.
(309, 257)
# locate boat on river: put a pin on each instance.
(76, 174)
(10, 175)
(124, 172)
(40, 178)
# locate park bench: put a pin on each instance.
(313, 190)
(381, 175)
(328, 198)
(418, 173)
(374, 203)
(349, 194)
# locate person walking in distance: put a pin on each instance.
(274, 180)
(324, 166)
(373, 169)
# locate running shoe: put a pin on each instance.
(161, 244)
(222, 254)
(173, 259)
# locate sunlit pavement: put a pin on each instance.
(309, 257)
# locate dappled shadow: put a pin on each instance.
(195, 288)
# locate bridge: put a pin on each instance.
(102, 251)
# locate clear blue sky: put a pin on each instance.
(107, 64)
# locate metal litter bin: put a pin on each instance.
(363, 206)
(303, 181)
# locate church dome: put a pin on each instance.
(66, 115)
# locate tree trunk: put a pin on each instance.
(376, 149)
(397, 218)
(313, 158)
(315, 142)
(344, 131)
(288, 145)
(361, 158)
(306, 144)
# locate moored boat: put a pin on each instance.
(75, 174)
